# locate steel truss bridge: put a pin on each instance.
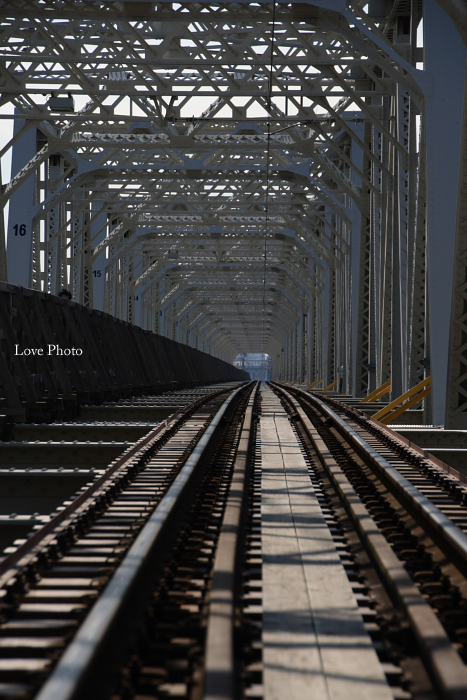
(288, 178)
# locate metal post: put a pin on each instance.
(445, 55)
(21, 212)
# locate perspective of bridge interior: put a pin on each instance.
(233, 335)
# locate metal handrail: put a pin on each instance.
(397, 402)
(378, 393)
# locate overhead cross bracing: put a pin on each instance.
(249, 177)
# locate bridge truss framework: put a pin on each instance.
(288, 178)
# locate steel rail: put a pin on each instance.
(442, 661)
(450, 538)
(25, 553)
(76, 674)
(219, 664)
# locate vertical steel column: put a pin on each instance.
(401, 276)
(3, 260)
(157, 309)
(376, 262)
(354, 236)
(316, 338)
(304, 348)
(363, 350)
(332, 309)
(112, 276)
(54, 274)
(295, 350)
(387, 233)
(130, 290)
(347, 315)
(445, 56)
(419, 361)
(20, 236)
(98, 229)
(173, 321)
(81, 248)
(457, 374)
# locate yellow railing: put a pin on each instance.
(315, 383)
(394, 409)
(378, 393)
(331, 386)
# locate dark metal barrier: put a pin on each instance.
(57, 354)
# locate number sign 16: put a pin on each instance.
(20, 230)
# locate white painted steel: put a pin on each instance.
(217, 175)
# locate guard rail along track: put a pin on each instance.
(57, 354)
(87, 575)
(411, 516)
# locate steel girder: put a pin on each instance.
(181, 164)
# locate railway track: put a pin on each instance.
(107, 533)
(410, 515)
(262, 543)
